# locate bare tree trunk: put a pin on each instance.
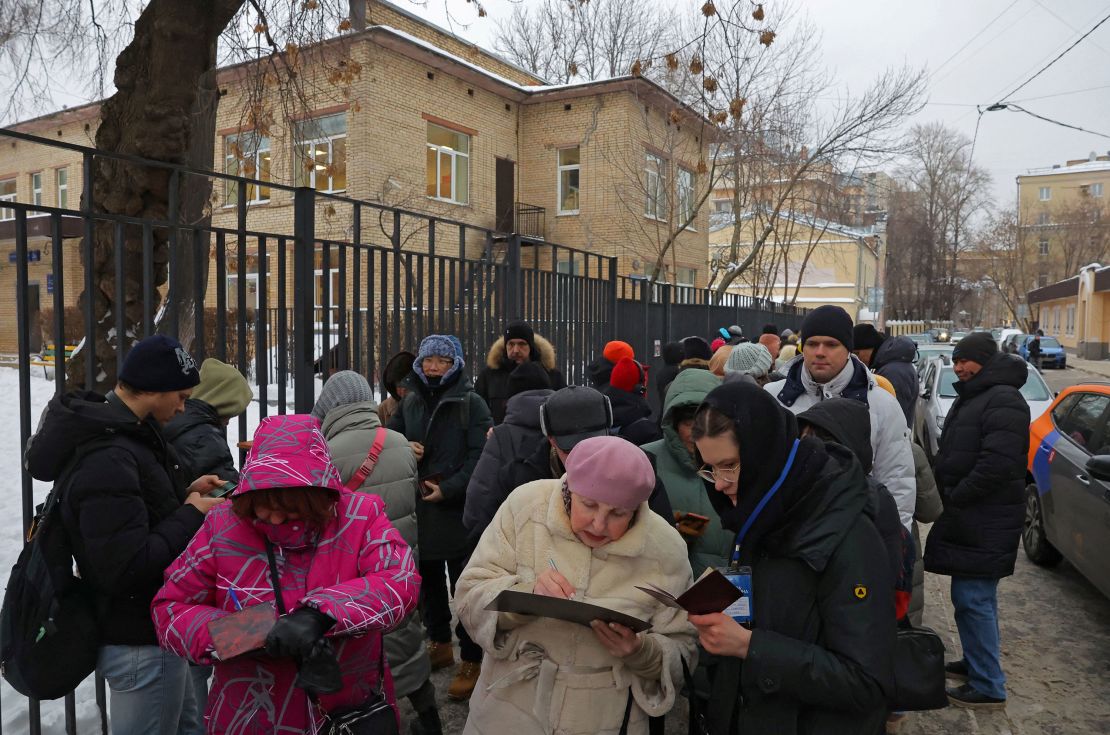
(157, 78)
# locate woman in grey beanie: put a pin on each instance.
(749, 359)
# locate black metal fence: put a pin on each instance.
(346, 285)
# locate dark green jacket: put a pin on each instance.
(676, 469)
(451, 422)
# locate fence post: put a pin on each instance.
(514, 293)
(304, 234)
(611, 296)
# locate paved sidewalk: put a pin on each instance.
(1097, 367)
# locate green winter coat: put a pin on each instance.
(453, 432)
(350, 430)
(677, 470)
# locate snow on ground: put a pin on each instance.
(13, 706)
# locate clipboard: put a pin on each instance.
(710, 594)
(572, 611)
(243, 631)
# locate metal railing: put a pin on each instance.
(531, 221)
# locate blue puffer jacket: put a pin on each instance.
(894, 361)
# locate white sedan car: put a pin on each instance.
(938, 393)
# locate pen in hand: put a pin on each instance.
(234, 598)
(551, 563)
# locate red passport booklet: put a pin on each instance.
(242, 631)
(711, 593)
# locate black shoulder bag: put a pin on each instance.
(918, 670)
(375, 716)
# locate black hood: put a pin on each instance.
(395, 371)
(599, 372)
(894, 349)
(1001, 369)
(196, 413)
(523, 409)
(72, 419)
(627, 407)
(848, 422)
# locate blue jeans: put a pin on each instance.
(976, 611)
(151, 691)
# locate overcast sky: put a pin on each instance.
(976, 51)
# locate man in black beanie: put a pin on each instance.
(828, 369)
(893, 358)
(518, 344)
(130, 513)
(980, 470)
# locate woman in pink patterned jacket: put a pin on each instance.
(345, 575)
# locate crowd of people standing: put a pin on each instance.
(369, 528)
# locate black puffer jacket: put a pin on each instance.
(894, 361)
(200, 440)
(632, 416)
(451, 422)
(492, 383)
(980, 471)
(507, 460)
(124, 511)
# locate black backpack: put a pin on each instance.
(49, 634)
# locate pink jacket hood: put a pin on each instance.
(288, 451)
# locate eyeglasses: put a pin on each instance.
(713, 474)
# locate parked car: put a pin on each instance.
(921, 339)
(1052, 352)
(997, 334)
(939, 334)
(957, 336)
(1067, 503)
(926, 353)
(938, 393)
(1005, 342)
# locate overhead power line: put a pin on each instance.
(1058, 94)
(1017, 108)
(1059, 56)
(973, 38)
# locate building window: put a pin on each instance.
(1045, 193)
(1095, 190)
(1044, 246)
(247, 155)
(36, 189)
(1056, 320)
(1042, 280)
(655, 201)
(61, 182)
(684, 189)
(1043, 218)
(1070, 324)
(686, 276)
(7, 194)
(448, 165)
(569, 173)
(322, 153)
(722, 206)
(251, 281)
(570, 266)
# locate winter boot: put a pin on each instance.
(441, 655)
(463, 684)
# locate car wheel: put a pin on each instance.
(1033, 536)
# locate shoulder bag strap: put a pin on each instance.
(368, 464)
(627, 713)
(280, 603)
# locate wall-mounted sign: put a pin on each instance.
(33, 256)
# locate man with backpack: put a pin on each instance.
(128, 512)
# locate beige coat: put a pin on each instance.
(541, 675)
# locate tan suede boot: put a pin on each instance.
(463, 684)
(441, 655)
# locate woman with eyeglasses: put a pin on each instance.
(817, 655)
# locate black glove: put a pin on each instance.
(293, 635)
(318, 672)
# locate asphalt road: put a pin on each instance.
(1056, 652)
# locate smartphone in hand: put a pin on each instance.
(694, 520)
(224, 490)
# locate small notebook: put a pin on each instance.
(583, 613)
(242, 631)
(710, 594)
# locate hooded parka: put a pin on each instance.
(820, 659)
(124, 513)
(356, 570)
(492, 383)
(894, 361)
(350, 430)
(504, 464)
(200, 439)
(451, 421)
(980, 470)
(677, 470)
(542, 676)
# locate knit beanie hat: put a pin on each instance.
(628, 376)
(672, 353)
(770, 329)
(978, 347)
(223, 388)
(614, 351)
(440, 345)
(716, 345)
(520, 330)
(159, 364)
(344, 387)
(866, 337)
(786, 334)
(772, 342)
(696, 347)
(829, 321)
(749, 358)
(528, 375)
(610, 470)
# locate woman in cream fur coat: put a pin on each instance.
(589, 536)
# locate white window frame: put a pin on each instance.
(61, 187)
(560, 169)
(454, 157)
(234, 165)
(36, 189)
(692, 272)
(685, 182)
(309, 177)
(1044, 193)
(1095, 189)
(1070, 323)
(1043, 219)
(6, 213)
(233, 289)
(655, 190)
(569, 267)
(1056, 320)
(1042, 246)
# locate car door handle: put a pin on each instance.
(1084, 479)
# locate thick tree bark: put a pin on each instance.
(151, 116)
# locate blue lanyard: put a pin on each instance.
(762, 503)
